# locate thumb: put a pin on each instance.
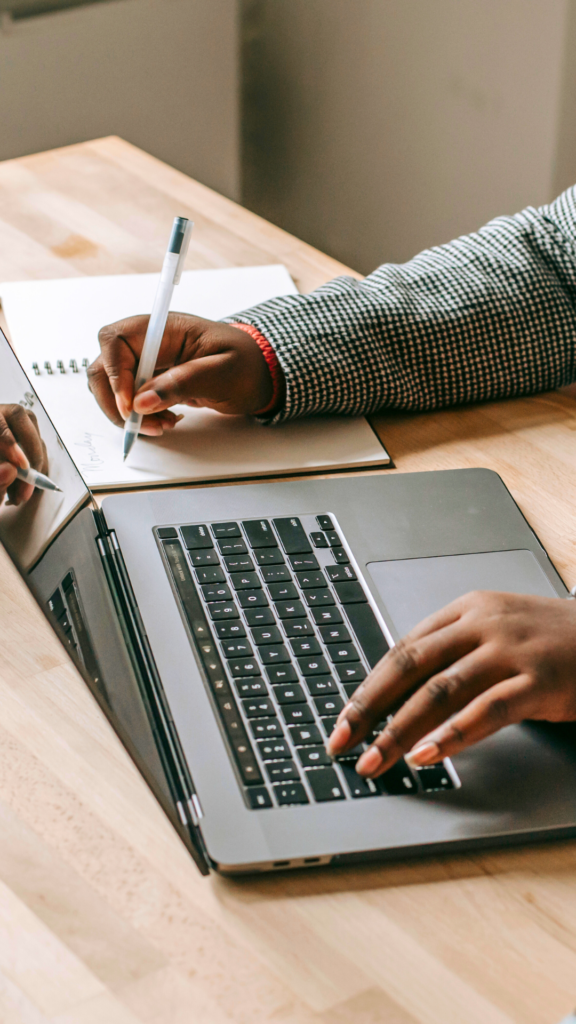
(200, 379)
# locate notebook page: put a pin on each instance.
(51, 321)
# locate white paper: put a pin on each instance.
(59, 320)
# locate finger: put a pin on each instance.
(120, 354)
(10, 450)
(7, 477)
(507, 703)
(100, 385)
(204, 380)
(406, 665)
(27, 436)
(437, 700)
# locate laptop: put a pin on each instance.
(222, 628)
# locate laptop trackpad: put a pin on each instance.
(413, 588)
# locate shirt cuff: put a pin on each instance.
(272, 363)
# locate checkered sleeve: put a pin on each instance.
(489, 315)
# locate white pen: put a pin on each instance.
(32, 476)
(170, 276)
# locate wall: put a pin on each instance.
(375, 128)
(161, 73)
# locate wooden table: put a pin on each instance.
(103, 918)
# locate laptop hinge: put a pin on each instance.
(186, 802)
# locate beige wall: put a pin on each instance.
(375, 128)
(161, 73)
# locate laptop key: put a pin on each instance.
(348, 673)
(251, 686)
(349, 592)
(281, 674)
(237, 649)
(204, 557)
(226, 630)
(329, 705)
(319, 540)
(258, 707)
(167, 533)
(245, 580)
(289, 693)
(397, 780)
(297, 627)
(259, 533)
(314, 598)
(305, 735)
(434, 778)
(315, 666)
(291, 793)
(342, 652)
(325, 784)
(239, 563)
(358, 786)
(216, 592)
(350, 688)
(301, 562)
(292, 536)
(305, 647)
(223, 530)
(208, 575)
(282, 771)
(340, 573)
(282, 591)
(196, 537)
(297, 714)
(223, 610)
(274, 750)
(266, 635)
(318, 686)
(334, 634)
(311, 579)
(251, 598)
(368, 632)
(290, 609)
(329, 723)
(322, 616)
(266, 728)
(269, 557)
(258, 796)
(276, 574)
(340, 556)
(244, 667)
(274, 654)
(324, 522)
(313, 757)
(333, 539)
(232, 547)
(260, 617)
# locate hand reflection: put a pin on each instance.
(20, 447)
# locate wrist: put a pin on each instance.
(274, 369)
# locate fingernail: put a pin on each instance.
(339, 738)
(342, 714)
(19, 457)
(427, 753)
(148, 401)
(178, 418)
(370, 762)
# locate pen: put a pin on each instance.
(170, 276)
(32, 476)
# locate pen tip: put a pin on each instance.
(59, 489)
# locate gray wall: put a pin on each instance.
(161, 73)
(375, 128)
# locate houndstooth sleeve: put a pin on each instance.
(487, 316)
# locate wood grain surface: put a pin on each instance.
(103, 917)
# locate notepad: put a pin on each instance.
(55, 324)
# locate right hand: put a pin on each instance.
(20, 447)
(200, 363)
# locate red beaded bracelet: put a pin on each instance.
(271, 361)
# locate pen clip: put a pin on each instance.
(183, 251)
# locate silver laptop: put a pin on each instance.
(221, 630)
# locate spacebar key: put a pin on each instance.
(368, 632)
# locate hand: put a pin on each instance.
(20, 446)
(485, 661)
(201, 363)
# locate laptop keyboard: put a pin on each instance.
(285, 632)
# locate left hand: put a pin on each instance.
(485, 661)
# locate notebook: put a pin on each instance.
(55, 324)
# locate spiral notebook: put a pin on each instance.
(53, 327)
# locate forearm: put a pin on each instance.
(487, 316)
